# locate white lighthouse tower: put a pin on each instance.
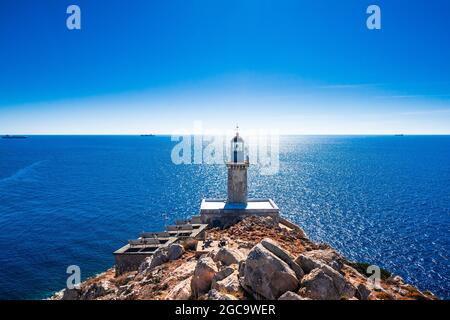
(237, 171)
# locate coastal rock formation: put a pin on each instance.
(203, 275)
(175, 251)
(258, 259)
(228, 256)
(267, 276)
(157, 259)
(181, 291)
(275, 248)
(230, 284)
(71, 294)
(97, 290)
(326, 256)
(326, 284)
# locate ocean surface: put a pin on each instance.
(73, 200)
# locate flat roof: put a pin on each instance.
(252, 204)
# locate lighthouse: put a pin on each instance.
(237, 171)
(225, 212)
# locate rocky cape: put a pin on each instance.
(256, 258)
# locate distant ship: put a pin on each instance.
(147, 135)
(13, 137)
(399, 135)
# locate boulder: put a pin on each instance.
(175, 251)
(158, 258)
(228, 256)
(319, 286)
(265, 275)
(203, 275)
(185, 270)
(145, 264)
(362, 292)
(275, 248)
(289, 295)
(307, 263)
(328, 256)
(241, 268)
(98, 289)
(182, 291)
(395, 280)
(223, 273)
(71, 294)
(343, 286)
(325, 283)
(229, 284)
(216, 295)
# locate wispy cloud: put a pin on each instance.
(415, 96)
(350, 85)
(423, 112)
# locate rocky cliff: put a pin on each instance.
(256, 258)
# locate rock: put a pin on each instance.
(275, 248)
(268, 222)
(229, 284)
(185, 270)
(97, 290)
(125, 289)
(325, 283)
(319, 286)
(228, 256)
(203, 275)
(241, 268)
(145, 265)
(289, 295)
(223, 273)
(307, 263)
(328, 256)
(216, 295)
(344, 287)
(71, 294)
(265, 275)
(158, 258)
(182, 291)
(175, 251)
(362, 292)
(396, 280)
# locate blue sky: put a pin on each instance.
(309, 67)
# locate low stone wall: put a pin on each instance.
(129, 262)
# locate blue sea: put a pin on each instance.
(73, 200)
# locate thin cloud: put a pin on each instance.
(350, 85)
(420, 112)
(414, 96)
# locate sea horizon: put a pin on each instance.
(381, 200)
